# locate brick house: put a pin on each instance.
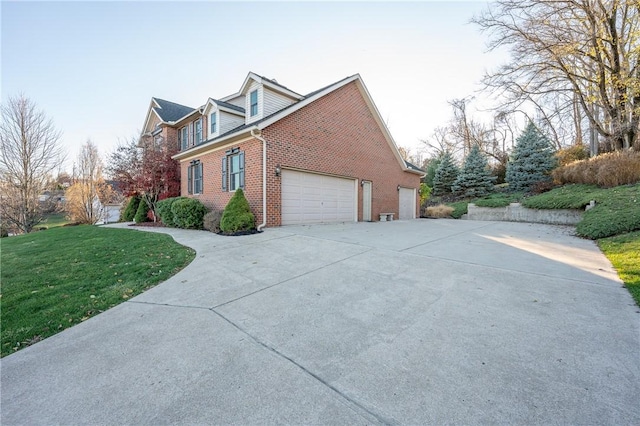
(329, 156)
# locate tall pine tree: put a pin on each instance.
(445, 176)
(532, 160)
(475, 179)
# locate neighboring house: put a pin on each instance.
(329, 156)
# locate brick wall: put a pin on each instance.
(212, 195)
(337, 134)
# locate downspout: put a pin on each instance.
(255, 132)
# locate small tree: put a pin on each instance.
(532, 160)
(475, 179)
(445, 176)
(237, 215)
(30, 151)
(88, 195)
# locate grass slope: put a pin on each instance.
(624, 253)
(617, 209)
(54, 279)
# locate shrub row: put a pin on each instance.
(190, 213)
(606, 170)
(182, 212)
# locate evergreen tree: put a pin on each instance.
(475, 179)
(532, 160)
(431, 170)
(445, 176)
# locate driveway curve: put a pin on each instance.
(404, 322)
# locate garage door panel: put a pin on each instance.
(313, 198)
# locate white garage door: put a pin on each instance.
(313, 198)
(407, 208)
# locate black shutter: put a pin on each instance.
(241, 169)
(224, 173)
(190, 180)
(200, 167)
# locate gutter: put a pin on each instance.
(255, 132)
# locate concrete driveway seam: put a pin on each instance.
(290, 279)
(535, 274)
(367, 413)
(466, 231)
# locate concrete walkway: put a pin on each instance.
(406, 322)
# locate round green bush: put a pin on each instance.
(188, 213)
(142, 212)
(129, 212)
(237, 215)
(163, 209)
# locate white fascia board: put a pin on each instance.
(295, 107)
(231, 111)
(280, 89)
(149, 111)
(207, 107)
(264, 81)
(207, 145)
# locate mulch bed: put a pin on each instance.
(226, 234)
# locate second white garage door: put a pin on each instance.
(313, 198)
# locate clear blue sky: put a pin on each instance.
(93, 66)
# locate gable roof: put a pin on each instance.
(413, 166)
(304, 101)
(170, 111)
(270, 83)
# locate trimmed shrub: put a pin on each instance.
(142, 214)
(532, 160)
(211, 221)
(188, 213)
(605, 170)
(164, 210)
(237, 215)
(439, 211)
(129, 213)
(445, 175)
(474, 180)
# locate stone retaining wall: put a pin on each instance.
(516, 213)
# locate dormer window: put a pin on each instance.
(198, 131)
(254, 103)
(213, 119)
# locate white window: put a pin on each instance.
(213, 120)
(194, 178)
(198, 132)
(254, 103)
(183, 135)
(233, 170)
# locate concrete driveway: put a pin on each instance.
(406, 322)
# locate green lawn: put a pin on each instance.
(56, 278)
(624, 253)
(54, 220)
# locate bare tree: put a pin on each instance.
(87, 197)
(585, 52)
(30, 150)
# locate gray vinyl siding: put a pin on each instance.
(273, 101)
(228, 121)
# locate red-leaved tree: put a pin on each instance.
(144, 167)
